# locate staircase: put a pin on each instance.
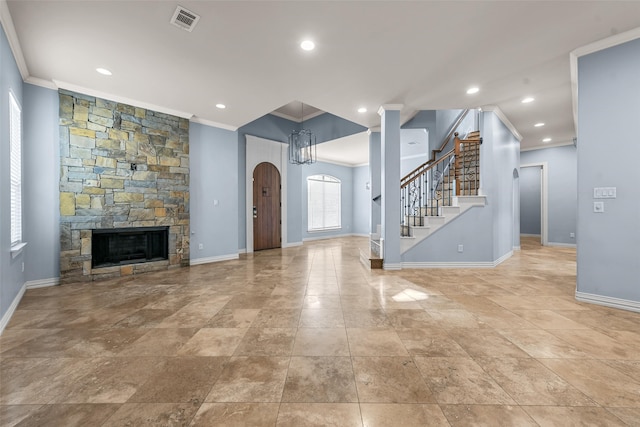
(441, 189)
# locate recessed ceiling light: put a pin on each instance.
(539, 124)
(362, 110)
(473, 90)
(103, 71)
(527, 100)
(546, 140)
(221, 106)
(307, 45)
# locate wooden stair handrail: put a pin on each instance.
(454, 150)
(445, 142)
(431, 166)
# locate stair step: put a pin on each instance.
(370, 260)
(449, 210)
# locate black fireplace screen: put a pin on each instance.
(129, 245)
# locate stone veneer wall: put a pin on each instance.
(121, 166)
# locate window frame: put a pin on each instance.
(16, 176)
(326, 179)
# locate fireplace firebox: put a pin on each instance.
(111, 247)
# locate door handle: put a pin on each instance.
(255, 212)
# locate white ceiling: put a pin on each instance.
(422, 54)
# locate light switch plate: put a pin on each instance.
(604, 193)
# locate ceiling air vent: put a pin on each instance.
(184, 18)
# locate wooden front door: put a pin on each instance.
(266, 207)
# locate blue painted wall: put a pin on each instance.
(562, 197)
(608, 152)
(41, 171)
(375, 171)
(361, 200)
(11, 276)
(499, 156)
(530, 202)
(214, 202)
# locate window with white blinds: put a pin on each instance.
(15, 135)
(323, 202)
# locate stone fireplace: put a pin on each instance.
(124, 171)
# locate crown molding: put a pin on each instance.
(297, 119)
(374, 129)
(41, 82)
(121, 99)
(12, 37)
(503, 118)
(599, 45)
(335, 162)
(389, 107)
(200, 120)
(542, 147)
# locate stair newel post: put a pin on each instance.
(458, 161)
(404, 207)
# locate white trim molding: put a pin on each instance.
(275, 152)
(48, 84)
(219, 258)
(622, 304)
(333, 236)
(542, 147)
(390, 107)
(480, 264)
(503, 118)
(391, 266)
(121, 99)
(12, 308)
(14, 42)
(291, 244)
(210, 123)
(42, 283)
(562, 245)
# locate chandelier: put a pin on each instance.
(302, 145)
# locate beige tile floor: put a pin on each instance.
(306, 336)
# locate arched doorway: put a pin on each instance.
(266, 207)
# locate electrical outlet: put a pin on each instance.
(460, 248)
(572, 235)
(200, 246)
(23, 267)
(598, 207)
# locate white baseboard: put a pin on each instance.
(12, 308)
(562, 245)
(503, 258)
(480, 264)
(291, 245)
(622, 304)
(42, 283)
(529, 235)
(390, 266)
(517, 248)
(335, 236)
(208, 260)
(242, 251)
